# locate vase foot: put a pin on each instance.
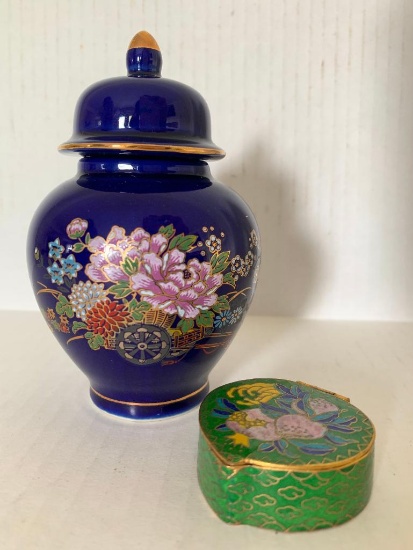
(149, 411)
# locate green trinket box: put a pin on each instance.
(284, 455)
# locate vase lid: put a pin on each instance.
(142, 113)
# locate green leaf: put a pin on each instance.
(129, 266)
(138, 309)
(337, 440)
(168, 231)
(219, 262)
(69, 311)
(78, 247)
(312, 448)
(63, 307)
(55, 325)
(78, 325)
(89, 335)
(205, 319)
(133, 304)
(183, 242)
(326, 417)
(143, 306)
(221, 305)
(96, 341)
(87, 238)
(186, 325)
(229, 280)
(121, 289)
(67, 282)
(347, 420)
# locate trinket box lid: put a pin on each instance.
(284, 425)
(142, 113)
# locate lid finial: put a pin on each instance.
(144, 58)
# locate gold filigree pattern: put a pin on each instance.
(284, 501)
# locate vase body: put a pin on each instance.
(144, 268)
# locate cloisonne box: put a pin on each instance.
(284, 455)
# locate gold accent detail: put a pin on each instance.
(323, 467)
(150, 404)
(291, 492)
(143, 147)
(252, 394)
(325, 391)
(144, 39)
(240, 439)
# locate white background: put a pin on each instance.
(312, 100)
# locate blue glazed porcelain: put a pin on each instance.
(142, 265)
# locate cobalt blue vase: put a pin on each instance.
(142, 265)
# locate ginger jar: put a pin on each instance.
(142, 265)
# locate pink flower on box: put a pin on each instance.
(297, 425)
(253, 423)
(256, 424)
(322, 406)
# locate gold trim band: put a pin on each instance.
(134, 403)
(118, 146)
(338, 465)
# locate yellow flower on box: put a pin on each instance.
(253, 394)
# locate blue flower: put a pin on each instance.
(70, 266)
(236, 315)
(222, 319)
(55, 249)
(56, 273)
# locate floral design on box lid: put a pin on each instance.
(282, 421)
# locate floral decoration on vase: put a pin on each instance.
(140, 293)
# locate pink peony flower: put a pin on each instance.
(76, 228)
(321, 406)
(117, 257)
(253, 423)
(170, 285)
(299, 426)
(257, 425)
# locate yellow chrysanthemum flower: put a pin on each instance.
(253, 394)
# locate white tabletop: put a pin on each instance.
(73, 477)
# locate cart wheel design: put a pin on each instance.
(143, 344)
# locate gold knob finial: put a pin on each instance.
(144, 40)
